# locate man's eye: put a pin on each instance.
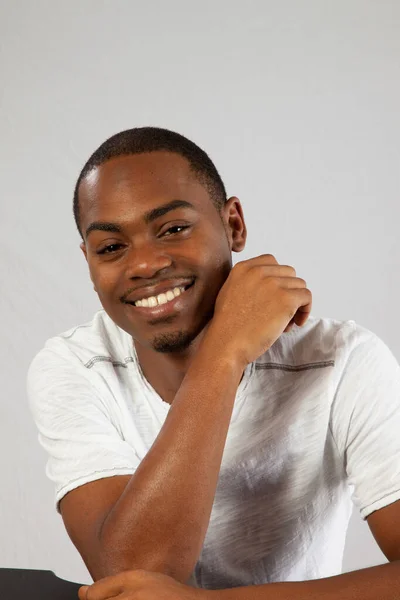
(107, 250)
(182, 227)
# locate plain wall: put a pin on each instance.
(297, 102)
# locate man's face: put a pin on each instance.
(154, 251)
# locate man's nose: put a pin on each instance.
(147, 259)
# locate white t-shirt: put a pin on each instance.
(315, 424)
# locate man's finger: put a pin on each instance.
(82, 592)
(109, 587)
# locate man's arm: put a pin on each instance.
(374, 583)
(157, 519)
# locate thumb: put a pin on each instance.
(82, 592)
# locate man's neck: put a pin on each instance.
(165, 372)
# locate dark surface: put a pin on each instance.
(29, 584)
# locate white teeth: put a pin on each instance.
(161, 298)
(152, 301)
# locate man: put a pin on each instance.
(205, 432)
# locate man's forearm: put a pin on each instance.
(160, 521)
(375, 583)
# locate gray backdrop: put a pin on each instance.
(297, 102)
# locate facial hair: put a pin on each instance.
(177, 341)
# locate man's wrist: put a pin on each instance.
(222, 352)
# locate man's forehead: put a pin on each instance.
(129, 173)
(143, 167)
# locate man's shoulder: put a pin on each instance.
(320, 341)
(96, 340)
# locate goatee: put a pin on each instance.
(177, 341)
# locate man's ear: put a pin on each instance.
(235, 226)
(82, 246)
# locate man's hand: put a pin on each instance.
(259, 301)
(140, 585)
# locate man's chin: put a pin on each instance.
(180, 340)
(172, 342)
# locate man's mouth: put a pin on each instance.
(163, 298)
(166, 303)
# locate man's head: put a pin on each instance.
(153, 215)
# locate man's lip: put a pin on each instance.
(147, 292)
(166, 309)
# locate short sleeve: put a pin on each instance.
(74, 424)
(365, 421)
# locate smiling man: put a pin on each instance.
(203, 430)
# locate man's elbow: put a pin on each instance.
(112, 563)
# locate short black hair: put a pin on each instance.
(150, 139)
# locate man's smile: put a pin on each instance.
(152, 307)
(156, 291)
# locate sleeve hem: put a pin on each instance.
(381, 503)
(94, 476)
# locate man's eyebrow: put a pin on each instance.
(148, 217)
(153, 214)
